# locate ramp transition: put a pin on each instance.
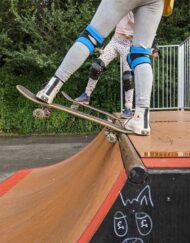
(91, 196)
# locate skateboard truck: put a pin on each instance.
(111, 136)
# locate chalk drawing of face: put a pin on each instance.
(128, 220)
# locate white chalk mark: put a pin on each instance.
(144, 198)
(144, 223)
(120, 224)
(133, 240)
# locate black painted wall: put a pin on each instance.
(156, 212)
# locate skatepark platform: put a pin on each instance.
(136, 190)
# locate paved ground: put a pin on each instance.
(18, 153)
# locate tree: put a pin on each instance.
(176, 28)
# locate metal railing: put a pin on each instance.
(165, 81)
(171, 72)
(184, 74)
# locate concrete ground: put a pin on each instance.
(17, 153)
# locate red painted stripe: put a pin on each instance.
(167, 163)
(103, 210)
(13, 180)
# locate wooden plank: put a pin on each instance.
(167, 139)
(165, 116)
(170, 116)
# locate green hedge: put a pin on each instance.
(16, 111)
(34, 39)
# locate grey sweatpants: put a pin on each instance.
(147, 15)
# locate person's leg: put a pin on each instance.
(127, 78)
(128, 93)
(95, 72)
(147, 18)
(107, 16)
(109, 54)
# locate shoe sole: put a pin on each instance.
(125, 117)
(142, 132)
(139, 132)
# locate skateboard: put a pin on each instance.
(107, 114)
(111, 128)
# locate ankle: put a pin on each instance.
(49, 92)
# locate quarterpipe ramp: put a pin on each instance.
(57, 203)
(134, 191)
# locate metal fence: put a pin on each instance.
(171, 71)
(165, 81)
(184, 74)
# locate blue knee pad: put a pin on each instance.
(138, 55)
(91, 38)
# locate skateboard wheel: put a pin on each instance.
(47, 112)
(107, 131)
(111, 137)
(39, 113)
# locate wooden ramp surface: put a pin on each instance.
(170, 116)
(170, 139)
(58, 203)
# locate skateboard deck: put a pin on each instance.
(29, 95)
(107, 114)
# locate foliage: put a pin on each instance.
(176, 28)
